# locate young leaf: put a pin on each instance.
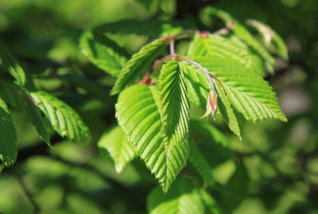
(8, 62)
(242, 33)
(214, 46)
(270, 37)
(175, 104)
(198, 88)
(200, 164)
(247, 92)
(8, 137)
(137, 113)
(183, 198)
(138, 64)
(103, 52)
(20, 99)
(117, 146)
(62, 117)
(227, 111)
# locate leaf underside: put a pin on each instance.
(137, 113)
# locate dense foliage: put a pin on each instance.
(166, 101)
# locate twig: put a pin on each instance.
(207, 73)
(29, 195)
(172, 51)
(20, 91)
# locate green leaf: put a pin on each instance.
(197, 85)
(209, 138)
(117, 146)
(137, 113)
(9, 63)
(103, 52)
(278, 43)
(8, 138)
(183, 198)
(208, 132)
(227, 111)
(209, 202)
(175, 105)
(247, 92)
(200, 164)
(198, 89)
(139, 63)
(242, 33)
(62, 117)
(20, 99)
(238, 184)
(218, 47)
(147, 28)
(150, 5)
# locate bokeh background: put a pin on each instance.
(281, 159)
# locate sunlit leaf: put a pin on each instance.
(242, 33)
(183, 198)
(62, 117)
(175, 105)
(218, 47)
(270, 38)
(8, 137)
(103, 52)
(248, 93)
(117, 146)
(198, 89)
(138, 64)
(137, 113)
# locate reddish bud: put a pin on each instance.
(204, 34)
(211, 104)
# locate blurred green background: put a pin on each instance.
(280, 159)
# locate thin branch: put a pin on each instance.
(160, 62)
(29, 195)
(172, 51)
(222, 32)
(190, 32)
(20, 91)
(206, 72)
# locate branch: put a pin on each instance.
(28, 194)
(207, 73)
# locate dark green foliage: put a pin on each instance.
(130, 80)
